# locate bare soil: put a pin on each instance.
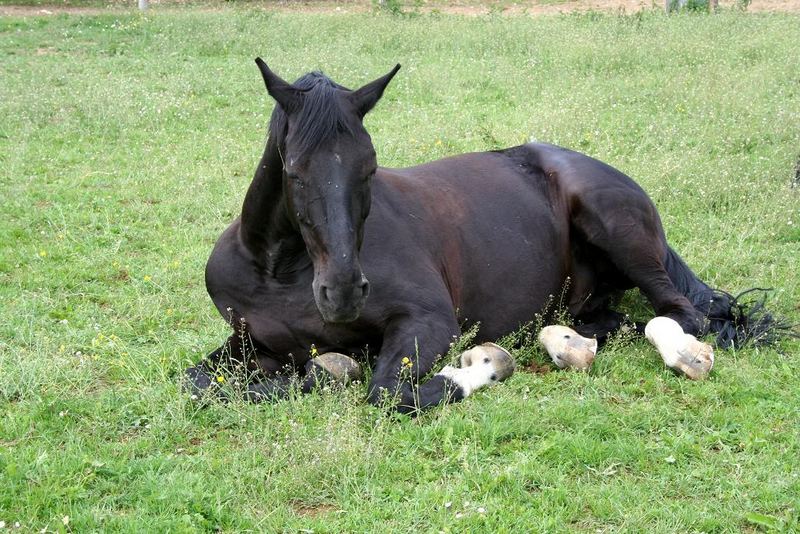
(312, 510)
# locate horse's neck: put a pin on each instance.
(265, 229)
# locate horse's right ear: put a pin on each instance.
(365, 98)
(289, 97)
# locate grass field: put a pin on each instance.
(126, 145)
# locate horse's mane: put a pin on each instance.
(321, 116)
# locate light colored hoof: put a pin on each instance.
(493, 356)
(567, 348)
(342, 368)
(481, 366)
(695, 359)
(681, 352)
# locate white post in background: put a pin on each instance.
(143, 5)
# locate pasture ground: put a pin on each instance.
(126, 144)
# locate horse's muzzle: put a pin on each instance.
(341, 303)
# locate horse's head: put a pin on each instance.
(328, 163)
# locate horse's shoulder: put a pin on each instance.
(231, 271)
(228, 247)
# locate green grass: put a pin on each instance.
(126, 145)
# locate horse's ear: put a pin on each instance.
(289, 97)
(365, 98)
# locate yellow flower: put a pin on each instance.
(147, 278)
(42, 253)
(220, 379)
(406, 361)
(314, 350)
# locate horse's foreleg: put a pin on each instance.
(410, 349)
(325, 369)
(236, 359)
(200, 379)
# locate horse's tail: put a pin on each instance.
(735, 322)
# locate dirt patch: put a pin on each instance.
(540, 7)
(304, 509)
(538, 368)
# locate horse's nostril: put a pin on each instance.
(364, 286)
(323, 293)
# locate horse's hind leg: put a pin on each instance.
(567, 348)
(626, 228)
(592, 292)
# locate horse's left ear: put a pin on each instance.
(365, 98)
(289, 97)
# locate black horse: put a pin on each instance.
(333, 252)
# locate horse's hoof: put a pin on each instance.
(492, 355)
(342, 368)
(567, 348)
(481, 366)
(681, 352)
(695, 359)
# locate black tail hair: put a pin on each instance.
(735, 322)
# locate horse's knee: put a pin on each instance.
(382, 392)
(200, 383)
(197, 380)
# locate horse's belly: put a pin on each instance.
(516, 267)
(503, 300)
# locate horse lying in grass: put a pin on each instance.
(333, 252)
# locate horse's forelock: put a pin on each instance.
(320, 117)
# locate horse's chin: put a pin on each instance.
(340, 315)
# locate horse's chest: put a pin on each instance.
(279, 317)
(283, 319)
